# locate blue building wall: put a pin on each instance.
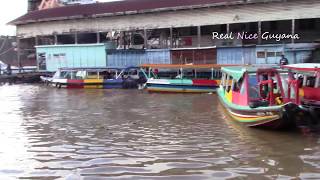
(269, 54)
(298, 56)
(265, 54)
(236, 55)
(80, 55)
(299, 53)
(125, 58)
(158, 56)
(99, 55)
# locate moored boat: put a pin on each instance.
(182, 78)
(95, 78)
(304, 88)
(256, 96)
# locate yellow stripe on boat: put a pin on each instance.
(92, 83)
(253, 119)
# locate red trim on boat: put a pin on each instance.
(303, 69)
(311, 93)
(75, 84)
(204, 82)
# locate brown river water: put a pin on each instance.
(48, 133)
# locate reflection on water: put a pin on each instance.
(127, 134)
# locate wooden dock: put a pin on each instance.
(26, 77)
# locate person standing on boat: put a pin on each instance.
(283, 60)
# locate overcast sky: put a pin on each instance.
(10, 10)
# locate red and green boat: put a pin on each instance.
(257, 96)
(182, 78)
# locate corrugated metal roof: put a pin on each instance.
(116, 8)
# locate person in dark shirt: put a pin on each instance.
(284, 60)
(9, 70)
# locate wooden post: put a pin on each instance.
(171, 37)
(145, 34)
(212, 71)
(199, 36)
(259, 32)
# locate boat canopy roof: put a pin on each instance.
(304, 67)
(237, 72)
(184, 66)
(97, 68)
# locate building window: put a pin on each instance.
(261, 54)
(307, 24)
(271, 54)
(60, 56)
(223, 28)
(42, 61)
(274, 25)
(253, 27)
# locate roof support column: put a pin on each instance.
(75, 37)
(259, 32)
(36, 40)
(124, 40)
(228, 28)
(19, 53)
(199, 36)
(98, 37)
(145, 34)
(55, 39)
(293, 29)
(171, 37)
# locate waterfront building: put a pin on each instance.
(190, 31)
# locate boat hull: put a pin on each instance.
(94, 84)
(182, 86)
(271, 118)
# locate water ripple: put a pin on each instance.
(127, 134)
